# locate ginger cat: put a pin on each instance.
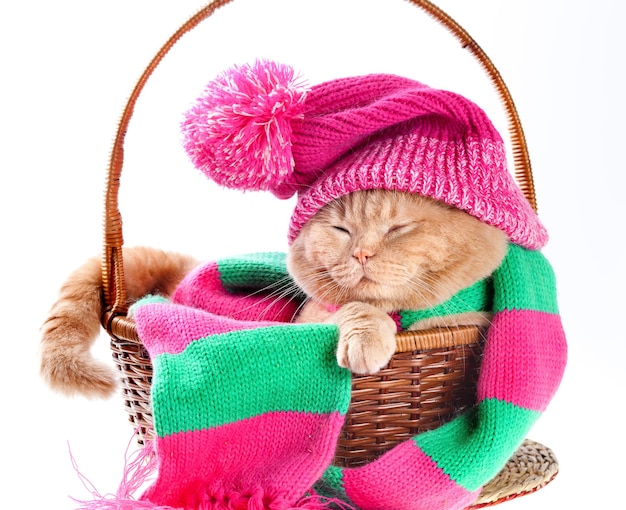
(376, 251)
(361, 256)
(73, 323)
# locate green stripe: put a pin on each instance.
(525, 281)
(332, 480)
(474, 447)
(478, 297)
(253, 271)
(150, 299)
(229, 377)
(330, 485)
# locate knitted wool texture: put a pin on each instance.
(258, 128)
(246, 413)
(248, 408)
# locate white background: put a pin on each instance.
(66, 70)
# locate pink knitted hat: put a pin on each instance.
(258, 127)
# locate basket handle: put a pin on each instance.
(114, 286)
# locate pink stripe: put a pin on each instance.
(397, 319)
(281, 454)
(411, 480)
(524, 358)
(203, 289)
(169, 328)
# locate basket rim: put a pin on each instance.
(123, 328)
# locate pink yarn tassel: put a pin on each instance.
(139, 468)
(316, 502)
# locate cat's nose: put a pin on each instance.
(362, 255)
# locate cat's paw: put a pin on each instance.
(366, 338)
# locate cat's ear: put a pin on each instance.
(239, 131)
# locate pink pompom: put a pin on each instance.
(239, 131)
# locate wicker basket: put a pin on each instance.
(431, 377)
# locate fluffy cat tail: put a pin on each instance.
(73, 323)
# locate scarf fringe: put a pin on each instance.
(315, 501)
(140, 467)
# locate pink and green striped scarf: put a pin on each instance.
(248, 407)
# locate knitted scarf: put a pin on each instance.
(248, 407)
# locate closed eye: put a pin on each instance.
(395, 228)
(341, 229)
(400, 228)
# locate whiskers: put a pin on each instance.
(274, 299)
(453, 313)
(284, 292)
(286, 297)
(319, 283)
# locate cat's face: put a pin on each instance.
(393, 250)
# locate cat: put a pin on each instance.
(375, 251)
(73, 323)
(360, 257)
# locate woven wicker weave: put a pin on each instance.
(431, 377)
(532, 467)
(430, 380)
